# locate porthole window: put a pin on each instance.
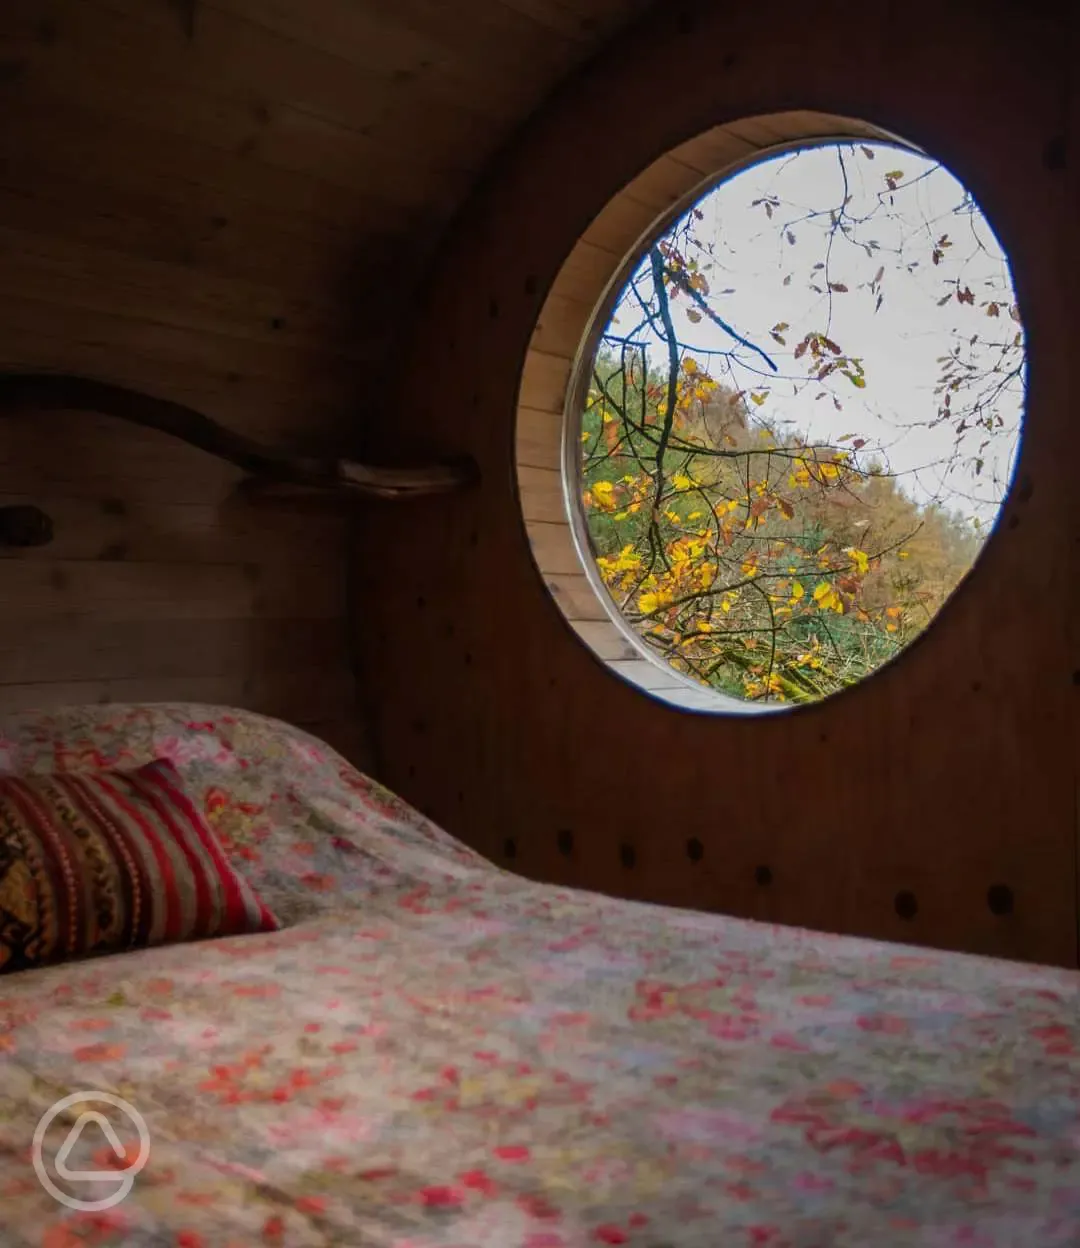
(790, 422)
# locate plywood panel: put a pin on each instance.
(544, 387)
(69, 649)
(248, 59)
(302, 697)
(576, 596)
(154, 531)
(952, 770)
(64, 272)
(552, 548)
(538, 438)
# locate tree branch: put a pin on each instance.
(37, 392)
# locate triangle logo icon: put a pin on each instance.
(73, 1137)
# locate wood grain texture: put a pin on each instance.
(954, 769)
(231, 213)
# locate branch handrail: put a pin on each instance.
(344, 478)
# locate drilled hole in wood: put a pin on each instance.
(695, 851)
(1054, 154)
(763, 876)
(999, 897)
(510, 847)
(627, 856)
(421, 603)
(565, 841)
(905, 904)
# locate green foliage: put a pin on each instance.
(765, 567)
(762, 562)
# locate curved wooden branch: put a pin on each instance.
(37, 392)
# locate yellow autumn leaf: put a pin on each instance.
(648, 603)
(903, 554)
(758, 399)
(603, 492)
(681, 481)
(690, 366)
(860, 559)
(797, 592)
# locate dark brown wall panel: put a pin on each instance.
(950, 772)
(228, 212)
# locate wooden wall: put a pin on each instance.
(228, 204)
(951, 773)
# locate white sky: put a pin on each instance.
(899, 345)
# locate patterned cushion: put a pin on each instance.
(104, 861)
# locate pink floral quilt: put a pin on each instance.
(435, 1053)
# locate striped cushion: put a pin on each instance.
(99, 862)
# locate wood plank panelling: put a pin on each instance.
(234, 219)
(952, 770)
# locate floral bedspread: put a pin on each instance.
(438, 1054)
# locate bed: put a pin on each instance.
(436, 1053)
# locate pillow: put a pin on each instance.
(98, 862)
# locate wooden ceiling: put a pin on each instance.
(227, 203)
(288, 160)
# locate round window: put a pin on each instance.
(793, 422)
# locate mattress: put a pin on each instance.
(436, 1053)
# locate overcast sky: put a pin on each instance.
(899, 345)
